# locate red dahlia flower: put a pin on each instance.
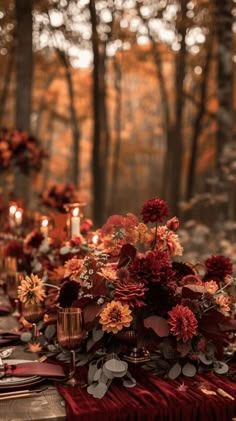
(130, 292)
(154, 210)
(153, 266)
(218, 267)
(183, 323)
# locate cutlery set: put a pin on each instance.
(21, 394)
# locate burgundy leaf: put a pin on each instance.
(158, 324)
(127, 254)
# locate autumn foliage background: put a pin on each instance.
(154, 117)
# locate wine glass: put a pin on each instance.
(13, 280)
(33, 313)
(70, 334)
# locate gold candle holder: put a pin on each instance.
(74, 215)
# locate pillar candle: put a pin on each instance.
(75, 223)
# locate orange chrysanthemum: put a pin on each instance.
(115, 316)
(108, 273)
(73, 267)
(31, 290)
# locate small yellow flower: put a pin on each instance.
(115, 316)
(108, 273)
(211, 287)
(31, 290)
(223, 303)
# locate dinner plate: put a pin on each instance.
(11, 382)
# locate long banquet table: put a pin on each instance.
(152, 399)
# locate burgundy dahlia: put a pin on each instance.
(34, 239)
(130, 292)
(14, 249)
(68, 293)
(154, 210)
(218, 267)
(183, 323)
(181, 270)
(151, 267)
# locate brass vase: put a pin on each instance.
(133, 354)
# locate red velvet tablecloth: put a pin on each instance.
(154, 398)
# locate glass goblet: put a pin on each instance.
(13, 280)
(33, 313)
(70, 334)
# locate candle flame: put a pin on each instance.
(95, 239)
(44, 223)
(75, 212)
(18, 214)
(12, 209)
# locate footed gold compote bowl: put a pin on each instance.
(70, 334)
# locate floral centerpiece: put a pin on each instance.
(19, 148)
(58, 195)
(135, 290)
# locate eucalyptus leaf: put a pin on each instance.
(129, 380)
(203, 358)
(97, 375)
(103, 378)
(52, 348)
(41, 339)
(108, 373)
(91, 371)
(50, 332)
(40, 325)
(100, 390)
(82, 361)
(129, 383)
(97, 334)
(189, 370)
(64, 250)
(91, 387)
(220, 367)
(116, 366)
(175, 371)
(25, 337)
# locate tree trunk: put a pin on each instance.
(224, 22)
(74, 119)
(117, 146)
(7, 81)
(198, 124)
(173, 180)
(24, 75)
(101, 139)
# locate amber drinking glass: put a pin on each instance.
(70, 334)
(33, 313)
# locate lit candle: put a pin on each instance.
(44, 230)
(18, 217)
(95, 239)
(12, 211)
(75, 223)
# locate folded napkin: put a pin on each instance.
(8, 337)
(34, 369)
(5, 308)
